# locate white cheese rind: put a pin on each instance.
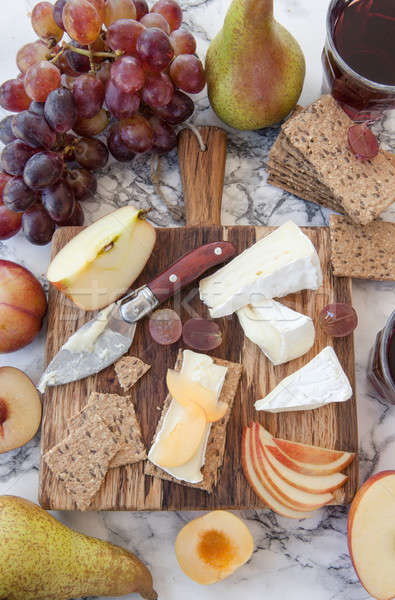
(320, 382)
(200, 368)
(279, 264)
(280, 332)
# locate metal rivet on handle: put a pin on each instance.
(218, 251)
(173, 278)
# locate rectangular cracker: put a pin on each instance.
(129, 369)
(367, 252)
(301, 192)
(217, 437)
(82, 459)
(119, 415)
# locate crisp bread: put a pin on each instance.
(365, 251)
(81, 460)
(301, 191)
(129, 369)
(217, 438)
(119, 415)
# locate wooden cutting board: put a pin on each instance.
(127, 488)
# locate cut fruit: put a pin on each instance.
(371, 535)
(183, 440)
(185, 391)
(212, 547)
(99, 264)
(20, 409)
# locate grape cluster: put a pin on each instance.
(124, 68)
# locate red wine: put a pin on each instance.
(391, 355)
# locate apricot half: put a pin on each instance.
(185, 391)
(212, 547)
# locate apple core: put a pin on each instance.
(216, 549)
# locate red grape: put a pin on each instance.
(117, 147)
(33, 130)
(58, 201)
(82, 182)
(100, 7)
(37, 108)
(158, 90)
(78, 62)
(10, 222)
(170, 10)
(17, 196)
(201, 334)
(68, 82)
(82, 21)
(338, 320)
(156, 20)
(30, 54)
(44, 24)
(104, 73)
(4, 179)
(123, 35)
(136, 133)
(91, 153)
(37, 225)
(58, 13)
(187, 72)
(121, 105)
(6, 133)
(41, 79)
(77, 217)
(141, 8)
(60, 110)
(127, 74)
(179, 109)
(118, 9)
(13, 96)
(88, 93)
(362, 141)
(43, 170)
(14, 157)
(165, 138)
(165, 326)
(154, 49)
(93, 126)
(183, 42)
(64, 66)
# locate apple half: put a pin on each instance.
(101, 262)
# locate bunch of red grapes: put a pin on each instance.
(125, 68)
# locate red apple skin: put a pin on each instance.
(22, 306)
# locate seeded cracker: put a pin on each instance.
(129, 370)
(81, 460)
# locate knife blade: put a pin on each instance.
(105, 338)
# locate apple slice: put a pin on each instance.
(99, 264)
(371, 535)
(255, 482)
(185, 391)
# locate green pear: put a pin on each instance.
(42, 559)
(255, 68)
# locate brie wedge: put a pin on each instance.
(200, 368)
(281, 333)
(279, 264)
(320, 382)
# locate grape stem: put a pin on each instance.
(58, 55)
(89, 54)
(195, 130)
(176, 212)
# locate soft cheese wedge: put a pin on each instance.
(320, 382)
(185, 391)
(280, 332)
(281, 263)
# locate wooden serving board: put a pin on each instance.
(127, 488)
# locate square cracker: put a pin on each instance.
(119, 415)
(366, 251)
(82, 459)
(129, 369)
(217, 437)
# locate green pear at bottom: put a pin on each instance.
(42, 559)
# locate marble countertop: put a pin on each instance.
(292, 559)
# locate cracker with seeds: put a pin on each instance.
(129, 369)
(82, 459)
(365, 251)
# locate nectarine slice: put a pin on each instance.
(185, 391)
(212, 547)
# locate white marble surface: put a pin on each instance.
(292, 559)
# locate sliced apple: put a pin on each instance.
(181, 443)
(99, 264)
(371, 535)
(185, 391)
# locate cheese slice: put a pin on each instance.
(201, 368)
(281, 263)
(281, 333)
(320, 382)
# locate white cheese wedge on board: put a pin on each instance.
(201, 368)
(320, 382)
(283, 262)
(280, 332)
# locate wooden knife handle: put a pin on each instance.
(202, 174)
(190, 267)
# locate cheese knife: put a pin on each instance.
(105, 338)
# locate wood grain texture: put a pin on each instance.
(126, 488)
